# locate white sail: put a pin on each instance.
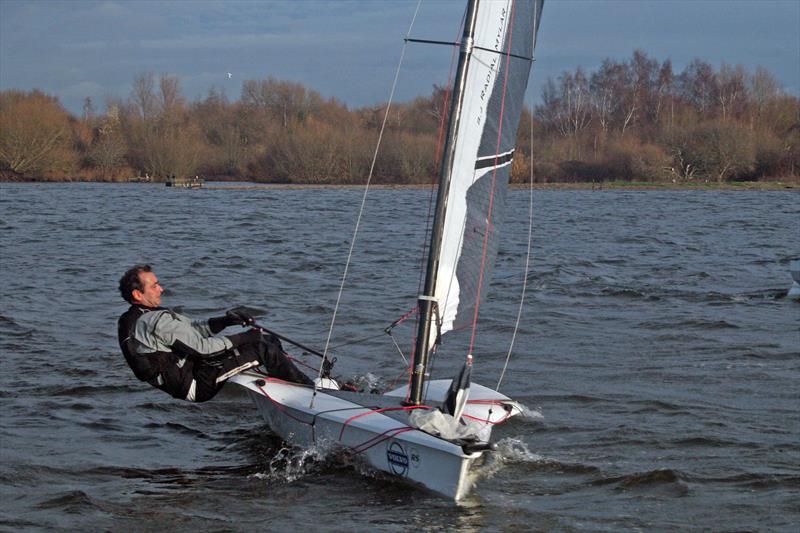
(496, 80)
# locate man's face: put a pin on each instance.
(150, 295)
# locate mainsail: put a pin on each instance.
(497, 77)
(496, 56)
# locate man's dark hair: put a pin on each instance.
(130, 281)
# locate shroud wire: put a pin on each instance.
(364, 198)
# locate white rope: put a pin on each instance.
(364, 199)
(527, 264)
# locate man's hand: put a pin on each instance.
(234, 317)
(239, 317)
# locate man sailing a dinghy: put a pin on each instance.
(185, 357)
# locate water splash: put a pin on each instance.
(510, 450)
(289, 464)
(368, 382)
(514, 450)
(529, 413)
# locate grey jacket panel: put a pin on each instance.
(202, 327)
(158, 331)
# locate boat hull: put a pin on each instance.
(375, 428)
(794, 290)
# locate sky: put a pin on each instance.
(349, 49)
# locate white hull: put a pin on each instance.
(794, 290)
(794, 269)
(375, 427)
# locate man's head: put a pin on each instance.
(139, 285)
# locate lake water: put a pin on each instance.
(657, 354)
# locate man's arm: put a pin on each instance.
(174, 332)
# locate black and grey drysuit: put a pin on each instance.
(186, 359)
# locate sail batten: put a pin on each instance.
(496, 160)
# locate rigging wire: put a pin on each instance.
(399, 350)
(527, 260)
(364, 199)
(386, 331)
(356, 341)
(530, 239)
(530, 243)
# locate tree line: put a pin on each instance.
(628, 120)
(638, 119)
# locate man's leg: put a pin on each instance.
(210, 374)
(278, 364)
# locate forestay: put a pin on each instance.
(497, 77)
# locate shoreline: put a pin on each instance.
(765, 186)
(609, 185)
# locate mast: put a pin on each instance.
(426, 302)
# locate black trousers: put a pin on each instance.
(211, 374)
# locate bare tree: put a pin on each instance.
(605, 94)
(665, 90)
(170, 100)
(566, 108)
(698, 86)
(143, 95)
(108, 148)
(763, 88)
(731, 90)
(286, 100)
(88, 109)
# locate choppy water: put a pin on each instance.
(655, 344)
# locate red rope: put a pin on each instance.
(486, 420)
(405, 371)
(301, 363)
(446, 103)
(386, 435)
(494, 181)
(404, 317)
(382, 410)
(447, 94)
(364, 446)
